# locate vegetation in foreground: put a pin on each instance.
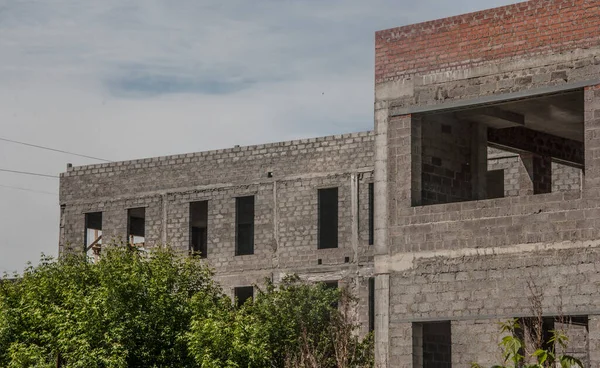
(158, 309)
(545, 354)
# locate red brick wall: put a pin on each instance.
(535, 27)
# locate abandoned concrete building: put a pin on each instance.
(476, 195)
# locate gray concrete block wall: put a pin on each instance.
(446, 154)
(286, 205)
(564, 177)
(239, 165)
(476, 341)
(221, 226)
(567, 216)
(471, 287)
(298, 220)
(401, 346)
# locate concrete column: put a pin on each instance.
(354, 208)
(535, 174)
(591, 183)
(165, 211)
(594, 340)
(542, 174)
(525, 174)
(416, 160)
(382, 320)
(479, 149)
(381, 181)
(275, 225)
(417, 337)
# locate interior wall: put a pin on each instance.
(446, 157)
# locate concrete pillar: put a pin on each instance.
(416, 160)
(354, 208)
(594, 340)
(592, 141)
(417, 336)
(275, 226)
(164, 218)
(542, 174)
(535, 174)
(381, 182)
(479, 162)
(382, 319)
(525, 174)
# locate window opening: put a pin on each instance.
(328, 218)
(198, 229)
(244, 238)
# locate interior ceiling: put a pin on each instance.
(560, 114)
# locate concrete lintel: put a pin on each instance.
(555, 313)
(507, 118)
(400, 262)
(493, 99)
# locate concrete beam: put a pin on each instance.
(495, 116)
(539, 143)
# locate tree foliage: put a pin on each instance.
(159, 309)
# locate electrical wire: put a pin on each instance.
(52, 149)
(29, 173)
(28, 190)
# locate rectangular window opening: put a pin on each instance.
(244, 239)
(371, 213)
(371, 304)
(432, 344)
(199, 229)
(136, 227)
(506, 149)
(93, 234)
(243, 294)
(328, 218)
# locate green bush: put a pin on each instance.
(159, 309)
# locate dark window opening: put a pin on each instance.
(136, 226)
(495, 184)
(371, 213)
(330, 284)
(93, 234)
(244, 238)
(432, 344)
(198, 228)
(371, 304)
(328, 218)
(243, 294)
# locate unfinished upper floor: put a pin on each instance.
(487, 128)
(291, 205)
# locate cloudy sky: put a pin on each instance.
(125, 79)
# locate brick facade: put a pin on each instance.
(520, 31)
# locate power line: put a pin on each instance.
(53, 149)
(28, 190)
(29, 173)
